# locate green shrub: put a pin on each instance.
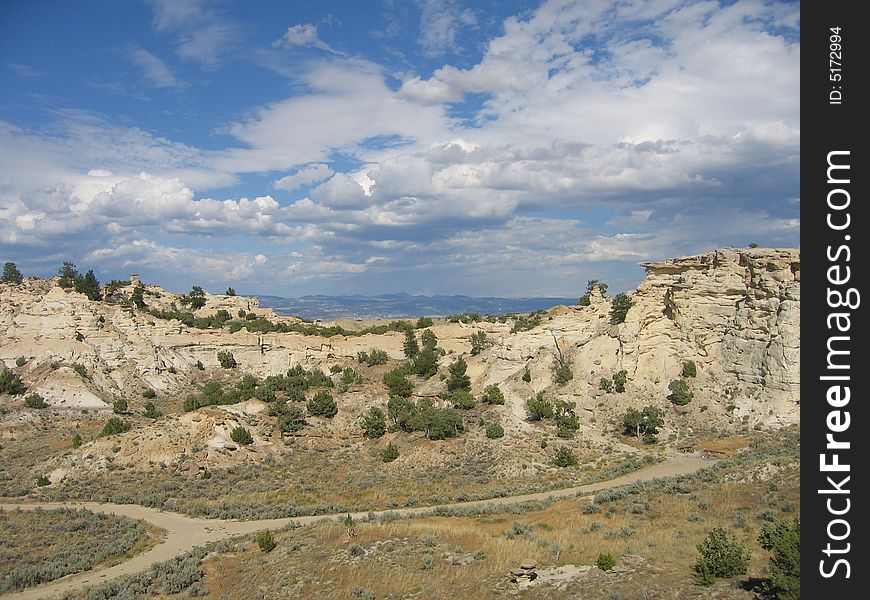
(42, 481)
(783, 540)
(458, 380)
(373, 357)
(619, 308)
(76, 440)
(11, 274)
(265, 540)
(149, 393)
(19, 362)
(374, 423)
(527, 375)
(479, 342)
(335, 369)
(290, 418)
(226, 359)
(241, 436)
(119, 406)
(606, 385)
(462, 399)
(424, 322)
(563, 374)
(494, 430)
(230, 292)
(644, 423)
(150, 411)
(720, 556)
(200, 366)
(390, 453)
(605, 562)
(80, 369)
(680, 392)
(114, 426)
(619, 381)
(410, 346)
(398, 383)
(539, 408)
(34, 400)
(564, 457)
(322, 405)
(690, 369)
(492, 394)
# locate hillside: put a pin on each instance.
(144, 405)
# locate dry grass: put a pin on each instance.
(659, 525)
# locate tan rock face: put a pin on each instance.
(734, 312)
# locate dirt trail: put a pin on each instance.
(183, 532)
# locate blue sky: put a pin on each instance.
(484, 148)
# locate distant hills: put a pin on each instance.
(397, 306)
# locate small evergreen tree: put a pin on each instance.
(430, 341)
(619, 308)
(89, 286)
(241, 436)
(11, 274)
(690, 369)
(114, 426)
(680, 392)
(196, 298)
(619, 381)
(226, 359)
(479, 342)
(137, 297)
(494, 431)
(322, 405)
(564, 457)
(34, 400)
(119, 406)
(291, 419)
(10, 383)
(605, 562)
(492, 394)
(783, 540)
(265, 541)
(390, 453)
(458, 380)
(374, 423)
(398, 384)
(644, 423)
(410, 346)
(462, 399)
(149, 393)
(230, 292)
(68, 275)
(424, 322)
(720, 556)
(150, 411)
(539, 408)
(527, 375)
(563, 374)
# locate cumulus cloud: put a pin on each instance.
(594, 136)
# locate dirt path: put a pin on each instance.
(183, 532)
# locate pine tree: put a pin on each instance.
(11, 274)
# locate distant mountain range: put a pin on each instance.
(398, 306)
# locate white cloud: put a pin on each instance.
(305, 176)
(202, 35)
(440, 24)
(156, 72)
(302, 35)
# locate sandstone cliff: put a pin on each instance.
(734, 312)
